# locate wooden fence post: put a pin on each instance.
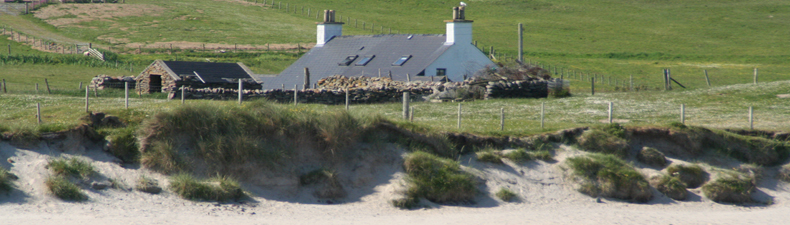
(707, 80)
(183, 95)
(592, 86)
(241, 91)
(502, 118)
(405, 105)
(348, 99)
(631, 82)
(46, 82)
(296, 94)
(755, 75)
(126, 93)
(38, 112)
(751, 118)
(459, 116)
(87, 99)
(682, 113)
(542, 113)
(611, 111)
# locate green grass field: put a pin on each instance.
(617, 38)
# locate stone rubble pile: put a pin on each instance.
(103, 81)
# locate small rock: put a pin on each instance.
(150, 189)
(100, 185)
(598, 200)
(10, 160)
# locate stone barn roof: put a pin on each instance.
(209, 72)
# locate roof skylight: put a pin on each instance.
(401, 60)
(365, 61)
(347, 61)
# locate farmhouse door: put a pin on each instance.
(155, 84)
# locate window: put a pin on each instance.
(365, 61)
(441, 72)
(347, 61)
(401, 60)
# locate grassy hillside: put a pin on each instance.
(616, 37)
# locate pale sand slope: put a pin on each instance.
(546, 199)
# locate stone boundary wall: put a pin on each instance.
(517, 89)
(322, 96)
(103, 81)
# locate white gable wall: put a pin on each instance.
(459, 60)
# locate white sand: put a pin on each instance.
(546, 199)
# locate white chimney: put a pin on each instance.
(328, 29)
(459, 30)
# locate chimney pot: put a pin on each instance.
(326, 16)
(455, 13)
(332, 16)
(461, 14)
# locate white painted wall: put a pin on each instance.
(459, 32)
(459, 60)
(326, 31)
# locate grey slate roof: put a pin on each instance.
(208, 71)
(323, 61)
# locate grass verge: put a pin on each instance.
(214, 189)
(608, 176)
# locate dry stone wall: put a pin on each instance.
(103, 81)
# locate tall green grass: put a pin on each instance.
(5, 180)
(71, 167)
(437, 179)
(64, 189)
(608, 176)
(214, 189)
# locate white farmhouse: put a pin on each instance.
(450, 56)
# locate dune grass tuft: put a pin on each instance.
(438, 180)
(64, 189)
(406, 202)
(5, 180)
(490, 156)
(71, 167)
(729, 188)
(123, 144)
(608, 176)
(521, 155)
(652, 157)
(214, 189)
(671, 186)
(148, 185)
(603, 142)
(506, 195)
(784, 173)
(692, 175)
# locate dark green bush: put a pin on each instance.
(608, 176)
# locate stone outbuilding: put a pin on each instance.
(169, 76)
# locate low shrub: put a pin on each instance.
(489, 156)
(608, 176)
(602, 142)
(730, 189)
(692, 175)
(652, 157)
(506, 195)
(71, 167)
(438, 180)
(64, 189)
(215, 189)
(784, 173)
(671, 186)
(5, 180)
